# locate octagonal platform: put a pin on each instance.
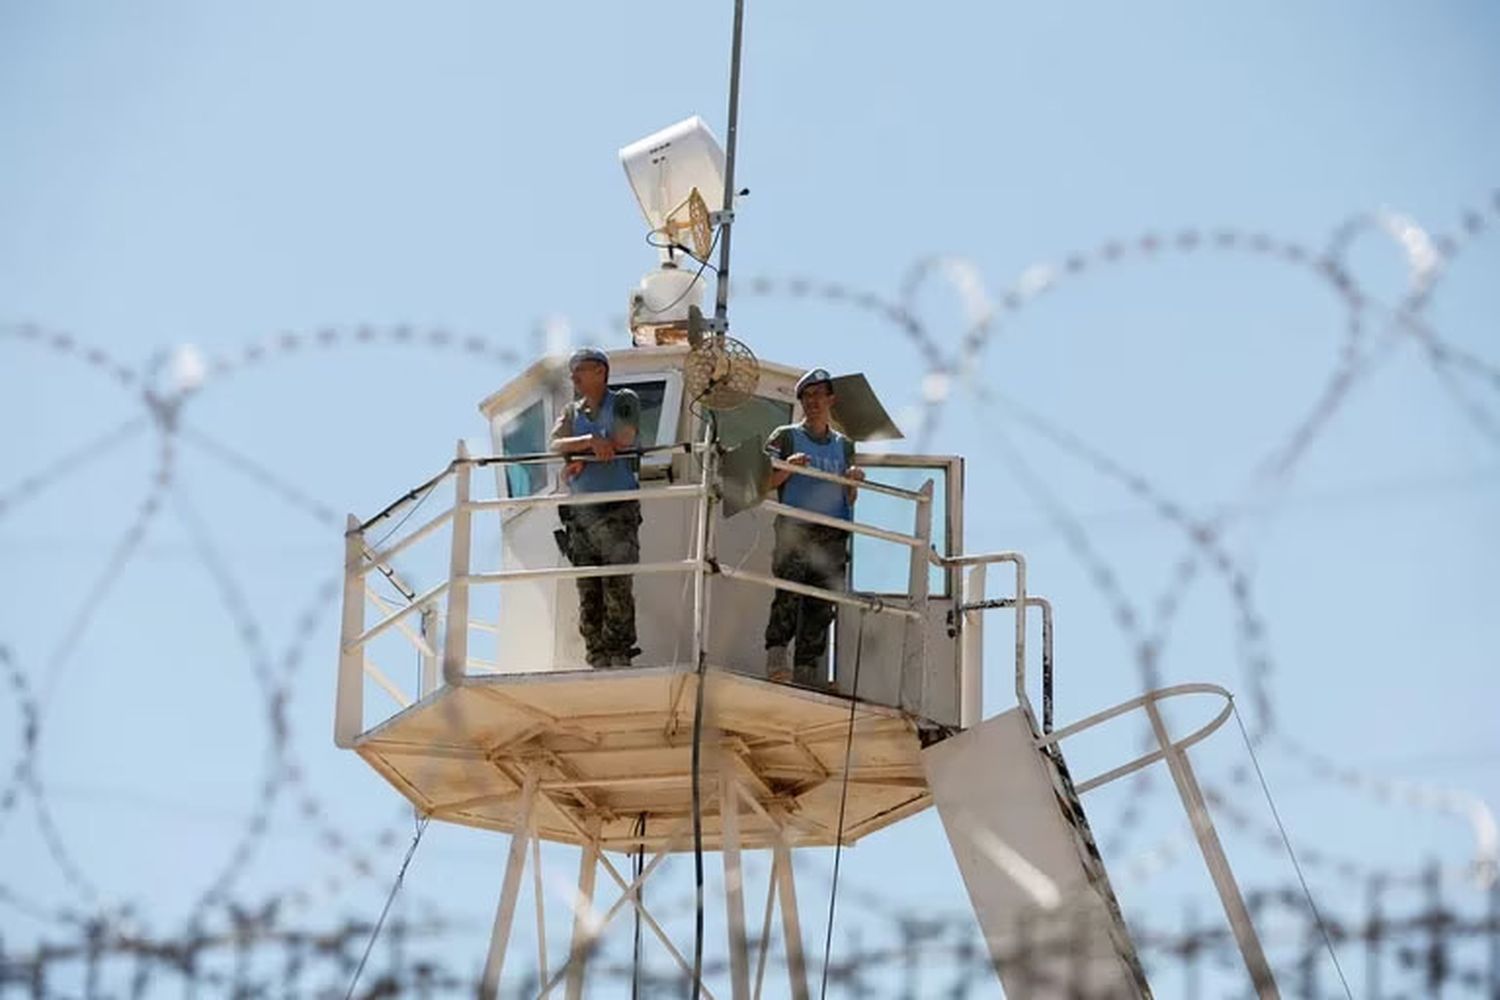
(608, 747)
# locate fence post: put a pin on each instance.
(456, 638)
(1437, 952)
(1192, 986)
(1492, 928)
(1374, 934)
(914, 641)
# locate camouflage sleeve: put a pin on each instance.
(848, 452)
(563, 426)
(779, 444)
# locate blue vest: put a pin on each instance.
(602, 477)
(818, 495)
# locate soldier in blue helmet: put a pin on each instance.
(598, 423)
(814, 554)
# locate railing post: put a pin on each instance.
(1021, 697)
(1046, 607)
(914, 640)
(456, 637)
(349, 696)
(701, 555)
(971, 655)
(1213, 855)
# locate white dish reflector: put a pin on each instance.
(665, 167)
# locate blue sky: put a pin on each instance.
(218, 175)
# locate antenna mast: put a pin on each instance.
(726, 217)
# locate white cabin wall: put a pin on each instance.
(527, 640)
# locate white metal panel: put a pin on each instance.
(881, 661)
(1049, 931)
(738, 610)
(528, 611)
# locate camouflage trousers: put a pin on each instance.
(813, 554)
(605, 534)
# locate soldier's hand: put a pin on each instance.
(572, 469)
(854, 472)
(798, 459)
(603, 448)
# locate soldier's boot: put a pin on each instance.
(807, 675)
(778, 668)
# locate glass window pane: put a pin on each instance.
(525, 434)
(651, 394)
(881, 567)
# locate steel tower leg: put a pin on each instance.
(583, 936)
(734, 888)
(791, 926)
(515, 864)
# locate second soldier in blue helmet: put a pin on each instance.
(598, 423)
(814, 554)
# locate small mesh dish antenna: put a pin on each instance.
(720, 372)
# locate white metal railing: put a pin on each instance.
(815, 473)
(973, 602)
(444, 608)
(1174, 753)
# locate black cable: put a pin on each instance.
(838, 843)
(702, 265)
(702, 670)
(386, 909)
(1296, 865)
(375, 546)
(698, 830)
(543, 456)
(637, 868)
(686, 252)
(408, 496)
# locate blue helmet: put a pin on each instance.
(583, 354)
(814, 377)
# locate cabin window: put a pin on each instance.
(757, 418)
(525, 433)
(661, 401)
(881, 567)
(652, 394)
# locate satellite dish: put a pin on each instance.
(700, 231)
(720, 372)
(689, 221)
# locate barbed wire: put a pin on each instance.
(1430, 945)
(1459, 370)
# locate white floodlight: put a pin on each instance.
(667, 167)
(677, 175)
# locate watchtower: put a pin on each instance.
(694, 748)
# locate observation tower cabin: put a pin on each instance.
(510, 685)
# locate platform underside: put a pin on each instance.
(625, 749)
